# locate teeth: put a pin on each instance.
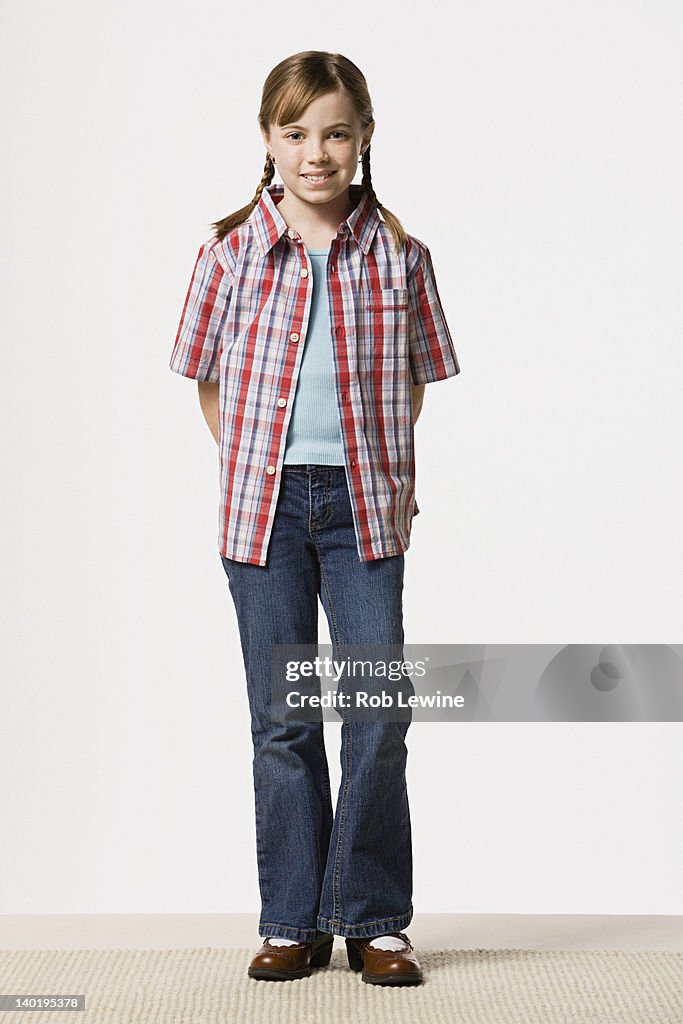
(317, 177)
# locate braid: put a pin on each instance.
(390, 219)
(222, 227)
(268, 175)
(367, 178)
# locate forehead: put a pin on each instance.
(327, 109)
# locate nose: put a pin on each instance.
(315, 154)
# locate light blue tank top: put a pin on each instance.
(314, 435)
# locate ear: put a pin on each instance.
(367, 135)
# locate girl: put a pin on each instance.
(312, 323)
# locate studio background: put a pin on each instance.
(532, 148)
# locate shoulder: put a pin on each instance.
(417, 254)
(226, 251)
(413, 252)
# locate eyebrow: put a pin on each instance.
(339, 124)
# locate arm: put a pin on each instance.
(208, 399)
(418, 393)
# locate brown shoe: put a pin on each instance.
(384, 966)
(284, 963)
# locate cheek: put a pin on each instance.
(291, 165)
(347, 154)
(283, 153)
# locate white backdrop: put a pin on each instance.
(534, 148)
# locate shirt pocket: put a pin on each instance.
(385, 319)
(386, 299)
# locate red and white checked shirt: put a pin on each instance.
(244, 325)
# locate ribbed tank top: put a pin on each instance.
(314, 435)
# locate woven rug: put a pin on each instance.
(471, 986)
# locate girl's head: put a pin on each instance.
(322, 135)
(315, 113)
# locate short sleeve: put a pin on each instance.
(432, 355)
(197, 346)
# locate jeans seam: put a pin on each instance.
(347, 751)
(276, 924)
(328, 594)
(367, 924)
(326, 518)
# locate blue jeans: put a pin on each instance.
(347, 873)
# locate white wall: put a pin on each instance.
(533, 148)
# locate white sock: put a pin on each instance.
(277, 941)
(388, 942)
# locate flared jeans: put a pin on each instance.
(347, 872)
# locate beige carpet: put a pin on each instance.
(471, 986)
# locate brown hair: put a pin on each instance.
(289, 88)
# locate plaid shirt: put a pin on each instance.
(243, 325)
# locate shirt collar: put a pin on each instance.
(270, 225)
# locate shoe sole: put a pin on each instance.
(273, 974)
(391, 979)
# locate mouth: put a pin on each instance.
(318, 179)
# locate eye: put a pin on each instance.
(342, 134)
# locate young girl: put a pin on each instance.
(312, 323)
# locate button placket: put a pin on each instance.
(294, 336)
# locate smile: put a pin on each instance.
(318, 177)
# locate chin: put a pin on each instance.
(324, 193)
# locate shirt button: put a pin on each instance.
(294, 336)
(339, 331)
(304, 272)
(282, 402)
(292, 233)
(353, 463)
(270, 470)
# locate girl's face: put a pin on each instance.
(326, 140)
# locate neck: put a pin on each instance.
(311, 219)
